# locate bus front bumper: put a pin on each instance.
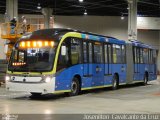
(39, 87)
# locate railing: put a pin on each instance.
(8, 30)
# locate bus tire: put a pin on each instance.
(145, 82)
(115, 82)
(75, 87)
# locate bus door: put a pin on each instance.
(108, 62)
(98, 66)
(151, 65)
(136, 63)
(87, 62)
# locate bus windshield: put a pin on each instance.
(33, 56)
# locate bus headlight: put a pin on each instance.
(7, 78)
(48, 79)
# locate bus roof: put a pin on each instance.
(141, 44)
(85, 35)
(50, 33)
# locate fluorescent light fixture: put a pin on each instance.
(39, 6)
(80, 0)
(85, 12)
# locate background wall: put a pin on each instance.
(105, 25)
(110, 26)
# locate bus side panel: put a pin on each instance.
(64, 77)
(121, 70)
(152, 72)
(98, 75)
(108, 80)
(141, 71)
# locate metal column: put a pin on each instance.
(47, 12)
(132, 20)
(11, 9)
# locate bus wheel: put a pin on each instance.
(115, 82)
(145, 80)
(75, 87)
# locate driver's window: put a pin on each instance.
(63, 60)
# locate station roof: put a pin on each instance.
(146, 8)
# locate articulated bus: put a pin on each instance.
(69, 61)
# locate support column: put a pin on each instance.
(47, 12)
(132, 20)
(158, 63)
(11, 9)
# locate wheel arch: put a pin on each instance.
(79, 79)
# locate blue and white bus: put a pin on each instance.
(65, 60)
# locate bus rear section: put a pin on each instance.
(142, 63)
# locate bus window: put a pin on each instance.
(90, 52)
(98, 55)
(116, 53)
(63, 60)
(151, 57)
(145, 55)
(123, 54)
(141, 55)
(75, 51)
(73, 54)
(106, 53)
(154, 56)
(110, 53)
(85, 54)
(138, 54)
(135, 55)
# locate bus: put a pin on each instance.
(69, 61)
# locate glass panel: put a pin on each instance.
(145, 55)
(85, 52)
(106, 53)
(98, 58)
(123, 54)
(116, 53)
(141, 55)
(90, 53)
(32, 59)
(110, 53)
(75, 51)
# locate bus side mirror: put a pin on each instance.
(63, 50)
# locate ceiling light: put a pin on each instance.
(80, 0)
(39, 6)
(122, 17)
(85, 12)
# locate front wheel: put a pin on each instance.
(75, 87)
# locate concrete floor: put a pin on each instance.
(128, 99)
